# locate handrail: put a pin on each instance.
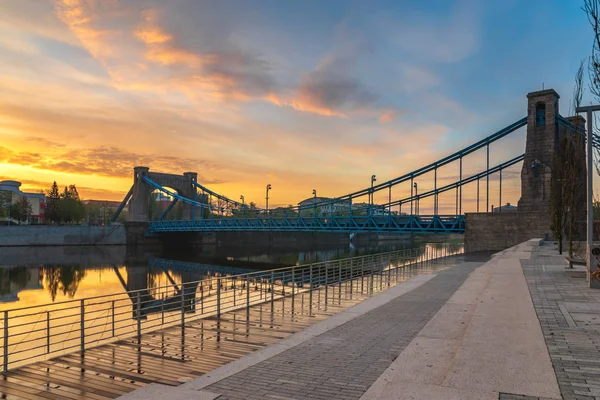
(430, 167)
(220, 196)
(177, 195)
(40, 331)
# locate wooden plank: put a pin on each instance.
(100, 381)
(92, 384)
(74, 391)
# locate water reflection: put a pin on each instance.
(65, 278)
(32, 277)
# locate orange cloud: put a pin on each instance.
(388, 116)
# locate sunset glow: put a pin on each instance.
(302, 95)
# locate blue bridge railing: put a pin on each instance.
(386, 223)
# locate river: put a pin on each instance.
(41, 275)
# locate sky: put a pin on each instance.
(299, 94)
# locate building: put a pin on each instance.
(310, 206)
(12, 192)
(505, 208)
(99, 212)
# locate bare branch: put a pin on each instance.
(592, 9)
(578, 89)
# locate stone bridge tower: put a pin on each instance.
(545, 139)
(182, 184)
(540, 147)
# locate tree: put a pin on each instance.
(70, 206)
(568, 170)
(64, 277)
(53, 204)
(5, 203)
(23, 209)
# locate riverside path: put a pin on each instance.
(515, 326)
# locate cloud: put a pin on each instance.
(446, 37)
(219, 71)
(106, 161)
(417, 78)
(388, 116)
(327, 90)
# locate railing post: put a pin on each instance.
(218, 297)
(113, 318)
(234, 286)
(326, 281)
(351, 276)
(5, 341)
(247, 297)
(47, 332)
(362, 275)
(293, 283)
(340, 283)
(138, 308)
(272, 286)
(162, 308)
(310, 290)
(182, 303)
(372, 278)
(82, 325)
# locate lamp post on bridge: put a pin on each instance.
(242, 199)
(591, 266)
(417, 196)
(314, 202)
(267, 197)
(371, 198)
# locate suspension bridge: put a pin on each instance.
(204, 210)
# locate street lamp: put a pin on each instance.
(242, 199)
(590, 195)
(314, 202)
(372, 200)
(417, 196)
(268, 188)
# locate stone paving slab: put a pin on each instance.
(494, 345)
(343, 362)
(566, 309)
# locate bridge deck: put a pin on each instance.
(175, 355)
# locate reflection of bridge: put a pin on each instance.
(182, 294)
(207, 211)
(136, 287)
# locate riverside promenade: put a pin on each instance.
(514, 327)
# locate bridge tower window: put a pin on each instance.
(540, 114)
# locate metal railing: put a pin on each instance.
(40, 332)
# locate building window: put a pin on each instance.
(540, 114)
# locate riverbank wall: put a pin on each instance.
(65, 235)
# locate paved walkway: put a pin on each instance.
(569, 314)
(516, 327)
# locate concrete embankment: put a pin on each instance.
(62, 255)
(74, 235)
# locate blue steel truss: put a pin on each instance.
(350, 223)
(431, 167)
(380, 218)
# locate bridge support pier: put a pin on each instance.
(493, 231)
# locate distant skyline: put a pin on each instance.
(299, 94)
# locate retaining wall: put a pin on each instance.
(72, 235)
(500, 230)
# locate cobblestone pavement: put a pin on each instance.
(569, 314)
(343, 362)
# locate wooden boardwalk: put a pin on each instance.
(174, 355)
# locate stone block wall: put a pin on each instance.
(68, 235)
(499, 231)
